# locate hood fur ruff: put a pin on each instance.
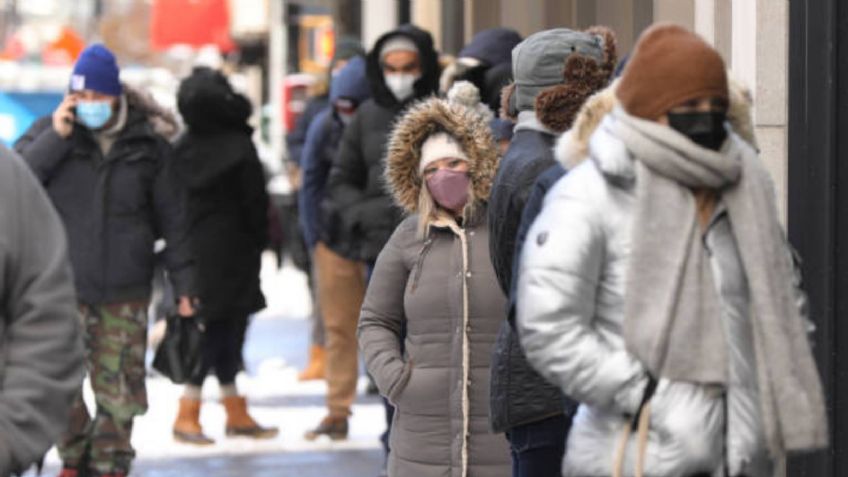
(467, 126)
(164, 122)
(572, 147)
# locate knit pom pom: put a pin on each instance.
(466, 94)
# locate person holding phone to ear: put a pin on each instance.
(105, 161)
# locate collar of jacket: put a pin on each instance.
(120, 123)
(610, 155)
(446, 221)
(527, 120)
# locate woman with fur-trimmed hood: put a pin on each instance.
(435, 279)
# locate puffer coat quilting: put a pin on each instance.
(571, 314)
(440, 385)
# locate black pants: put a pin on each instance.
(538, 448)
(221, 351)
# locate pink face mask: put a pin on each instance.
(449, 189)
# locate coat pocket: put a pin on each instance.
(401, 384)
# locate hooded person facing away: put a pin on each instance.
(486, 62)
(40, 333)
(346, 48)
(555, 72)
(402, 67)
(657, 287)
(435, 279)
(226, 206)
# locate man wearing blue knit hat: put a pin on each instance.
(103, 158)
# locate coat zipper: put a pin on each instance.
(466, 364)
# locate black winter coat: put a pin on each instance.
(115, 207)
(226, 204)
(518, 394)
(228, 222)
(359, 212)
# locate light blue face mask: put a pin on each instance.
(94, 114)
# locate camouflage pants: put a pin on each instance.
(115, 342)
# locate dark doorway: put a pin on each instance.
(818, 202)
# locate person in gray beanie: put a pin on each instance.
(555, 71)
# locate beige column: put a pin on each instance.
(760, 57)
(525, 16)
(378, 17)
(714, 22)
(677, 11)
(427, 14)
(618, 15)
(480, 15)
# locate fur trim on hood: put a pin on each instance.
(556, 107)
(572, 147)
(466, 125)
(164, 122)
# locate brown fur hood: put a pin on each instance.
(557, 106)
(464, 123)
(572, 147)
(164, 122)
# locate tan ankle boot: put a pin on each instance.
(315, 368)
(187, 426)
(239, 422)
(334, 427)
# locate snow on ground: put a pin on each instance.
(275, 351)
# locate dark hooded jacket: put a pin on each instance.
(519, 395)
(346, 48)
(115, 205)
(226, 201)
(493, 47)
(358, 206)
(322, 142)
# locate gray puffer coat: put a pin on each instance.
(438, 281)
(571, 313)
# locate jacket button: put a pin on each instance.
(542, 238)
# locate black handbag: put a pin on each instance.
(180, 354)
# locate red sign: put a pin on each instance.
(190, 22)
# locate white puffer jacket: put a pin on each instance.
(570, 317)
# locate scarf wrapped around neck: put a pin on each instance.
(672, 307)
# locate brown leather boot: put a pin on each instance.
(331, 426)
(239, 422)
(187, 426)
(315, 369)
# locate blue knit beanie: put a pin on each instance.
(96, 70)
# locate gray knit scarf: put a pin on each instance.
(672, 309)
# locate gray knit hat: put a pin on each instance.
(538, 61)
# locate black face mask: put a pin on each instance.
(704, 129)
